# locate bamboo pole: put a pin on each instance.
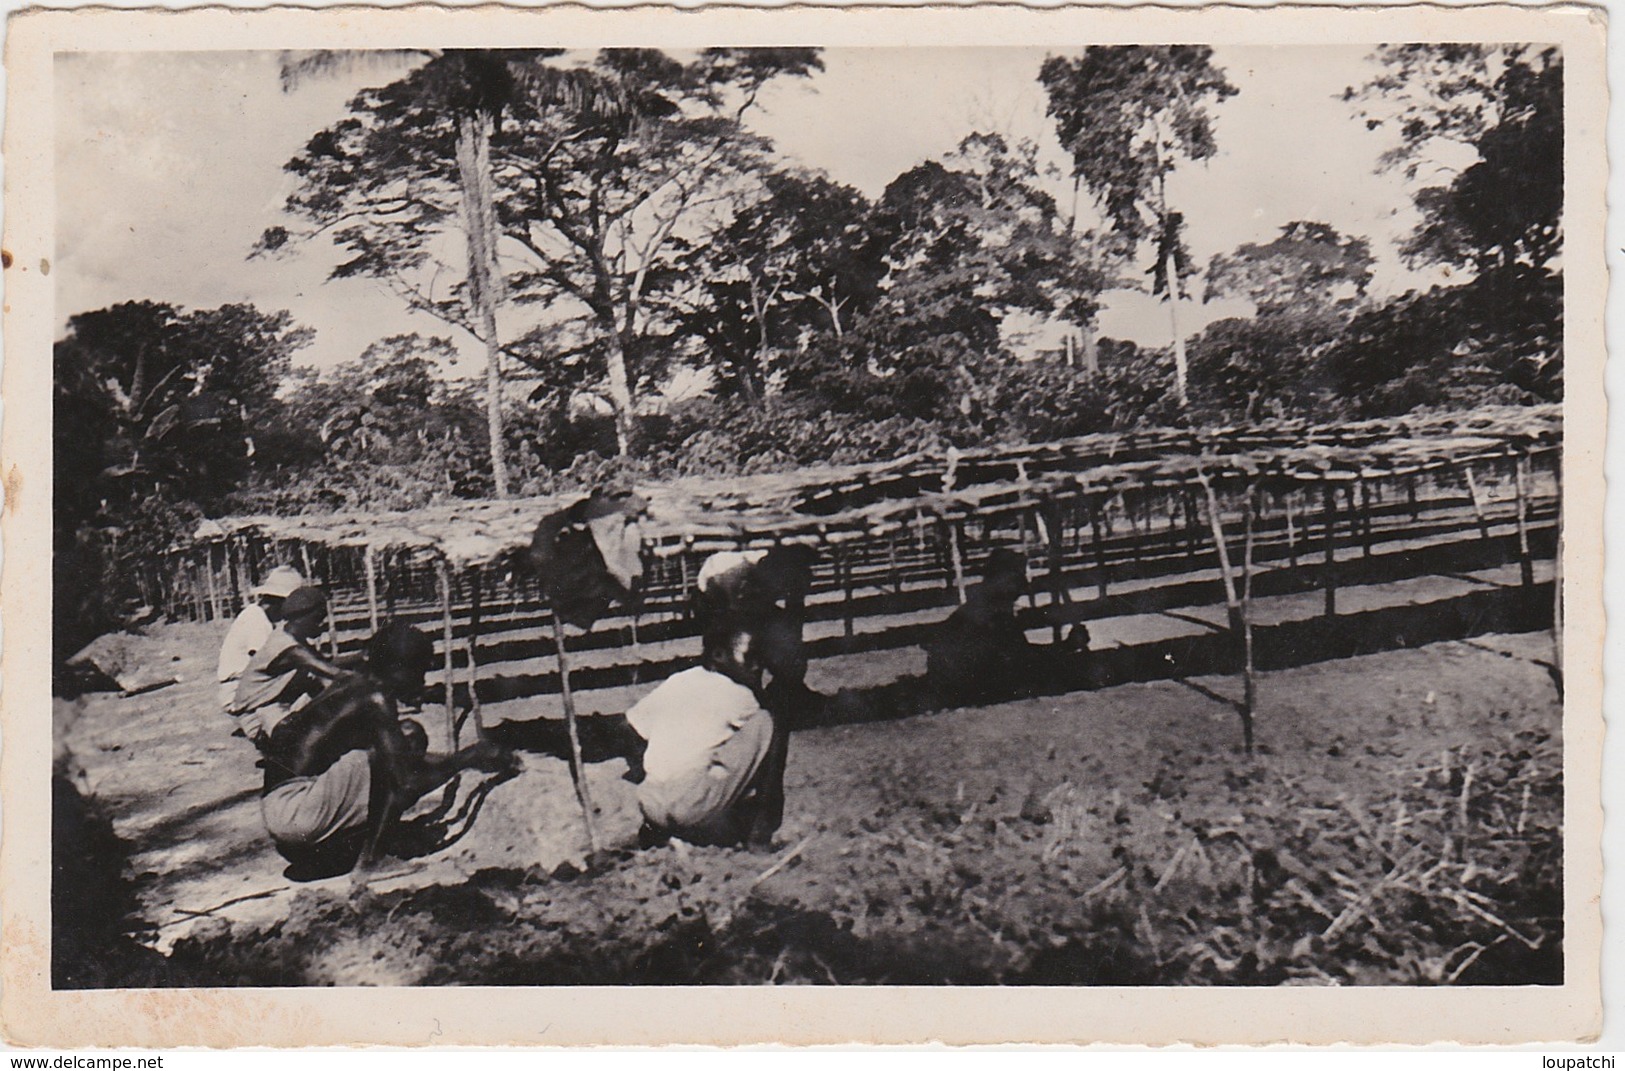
(475, 597)
(1478, 504)
(1557, 587)
(1057, 566)
(843, 564)
(1250, 676)
(1365, 515)
(1099, 549)
(1526, 564)
(214, 591)
(958, 561)
(1291, 532)
(444, 572)
(578, 772)
(1237, 616)
(370, 557)
(1329, 510)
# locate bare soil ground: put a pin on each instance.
(1399, 824)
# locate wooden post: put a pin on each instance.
(1057, 567)
(304, 558)
(1365, 515)
(1410, 497)
(1249, 702)
(1291, 533)
(1032, 594)
(843, 563)
(578, 772)
(475, 596)
(957, 559)
(1526, 564)
(1478, 504)
(214, 590)
(1329, 512)
(1557, 587)
(1099, 548)
(444, 572)
(370, 557)
(1238, 629)
(891, 564)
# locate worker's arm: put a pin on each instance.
(401, 776)
(301, 657)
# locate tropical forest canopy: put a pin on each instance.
(657, 290)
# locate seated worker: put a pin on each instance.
(252, 628)
(285, 672)
(714, 765)
(340, 771)
(980, 653)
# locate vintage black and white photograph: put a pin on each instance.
(1060, 514)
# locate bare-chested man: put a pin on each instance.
(340, 771)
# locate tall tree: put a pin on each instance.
(1480, 137)
(1490, 119)
(352, 178)
(606, 212)
(157, 410)
(1128, 114)
(798, 263)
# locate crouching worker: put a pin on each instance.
(340, 771)
(714, 765)
(286, 672)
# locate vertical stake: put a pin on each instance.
(1557, 586)
(445, 634)
(475, 596)
(369, 556)
(1329, 510)
(1526, 564)
(957, 559)
(1365, 515)
(1478, 504)
(578, 772)
(1291, 531)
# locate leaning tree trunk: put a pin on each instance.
(484, 277)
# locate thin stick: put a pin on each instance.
(1365, 516)
(214, 592)
(1329, 507)
(958, 560)
(1557, 589)
(445, 631)
(369, 556)
(578, 773)
(1291, 531)
(1526, 564)
(1249, 700)
(1478, 504)
(844, 563)
(1238, 627)
(784, 860)
(1100, 548)
(1057, 566)
(475, 596)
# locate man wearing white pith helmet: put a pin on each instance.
(252, 628)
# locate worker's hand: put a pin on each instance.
(492, 757)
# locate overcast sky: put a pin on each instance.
(169, 166)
